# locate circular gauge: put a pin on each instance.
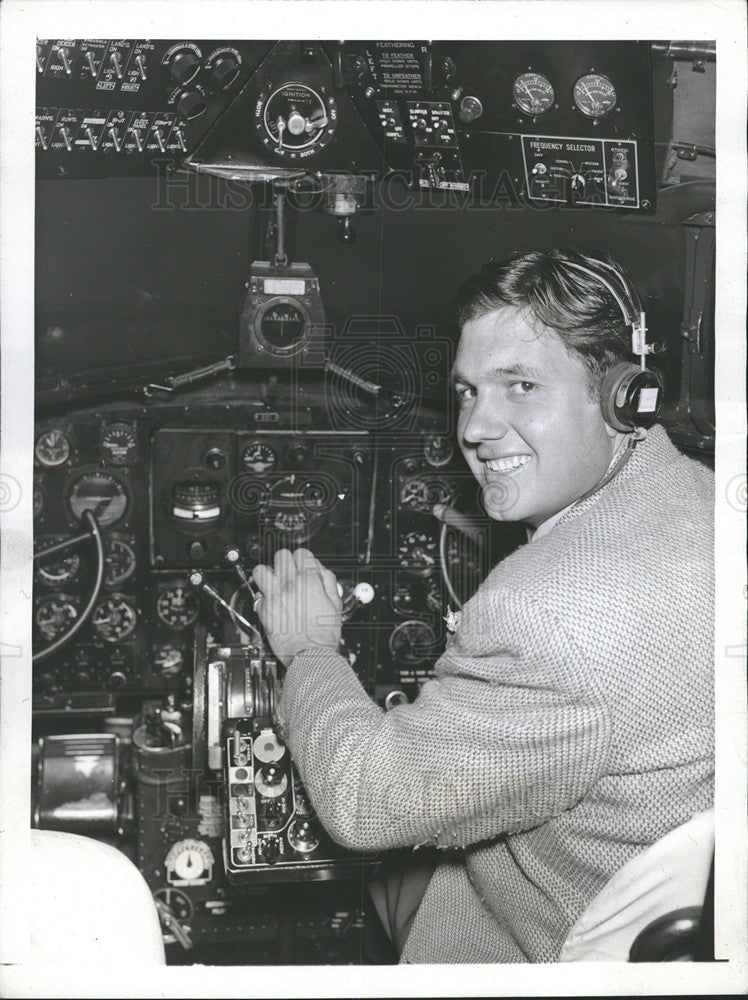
(52, 448)
(259, 457)
(293, 507)
(595, 95)
(54, 615)
(422, 492)
(177, 607)
(282, 327)
(189, 861)
(60, 568)
(412, 642)
(100, 492)
(533, 93)
(38, 500)
(418, 552)
(119, 443)
(196, 500)
(296, 120)
(438, 450)
(115, 618)
(168, 660)
(120, 561)
(178, 904)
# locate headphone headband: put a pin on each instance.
(636, 319)
(630, 395)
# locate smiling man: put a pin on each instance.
(570, 723)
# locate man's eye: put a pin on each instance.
(521, 388)
(464, 392)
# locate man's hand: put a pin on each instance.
(300, 607)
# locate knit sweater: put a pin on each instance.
(569, 725)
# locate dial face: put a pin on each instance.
(259, 457)
(100, 492)
(283, 327)
(119, 443)
(52, 448)
(595, 95)
(438, 450)
(196, 500)
(296, 120)
(412, 642)
(422, 492)
(189, 861)
(294, 507)
(168, 660)
(178, 606)
(533, 93)
(120, 561)
(55, 615)
(59, 569)
(115, 618)
(417, 552)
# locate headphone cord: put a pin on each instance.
(619, 460)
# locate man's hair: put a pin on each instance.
(549, 289)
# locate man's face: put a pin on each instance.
(530, 429)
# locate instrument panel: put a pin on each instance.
(200, 483)
(553, 122)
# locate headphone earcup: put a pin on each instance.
(630, 397)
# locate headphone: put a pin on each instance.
(630, 394)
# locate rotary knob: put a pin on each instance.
(272, 774)
(225, 70)
(191, 104)
(184, 66)
(296, 123)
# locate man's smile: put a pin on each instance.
(506, 464)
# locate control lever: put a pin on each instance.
(197, 580)
(171, 925)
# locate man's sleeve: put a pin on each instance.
(510, 733)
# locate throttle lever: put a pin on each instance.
(197, 580)
(172, 926)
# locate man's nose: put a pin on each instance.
(484, 422)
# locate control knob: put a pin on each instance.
(191, 104)
(225, 70)
(184, 66)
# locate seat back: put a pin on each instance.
(670, 875)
